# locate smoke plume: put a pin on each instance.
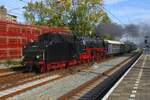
(132, 32)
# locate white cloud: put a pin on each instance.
(109, 2)
(142, 18)
(128, 11)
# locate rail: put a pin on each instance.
(102, 88)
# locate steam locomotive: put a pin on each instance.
(54, 51)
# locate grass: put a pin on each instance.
(11, 63)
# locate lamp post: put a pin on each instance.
(146, 44)
(146, 41)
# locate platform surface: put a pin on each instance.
(136, 84)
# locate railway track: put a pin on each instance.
(11, 78)
(18, 78)
(25, 78)
(96, 87)
(5, 70)
(5, 74)
(14, 79)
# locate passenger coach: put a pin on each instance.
(114, 47)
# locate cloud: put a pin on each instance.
(110, 2)
(142, 19)
(130, 11)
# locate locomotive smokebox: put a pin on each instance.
(34, 56)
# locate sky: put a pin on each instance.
(125, 11)
(14, 7)
(129, 11)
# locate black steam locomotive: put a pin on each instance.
(54, 51)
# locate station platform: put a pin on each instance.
(135, 84)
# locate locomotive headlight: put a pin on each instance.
(37, 56)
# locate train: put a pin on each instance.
(55, 51)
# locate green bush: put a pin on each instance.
(12, 62)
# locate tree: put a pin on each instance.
(46, 12)
(105, 19)
(81, 19)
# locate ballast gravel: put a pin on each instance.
(55, 89)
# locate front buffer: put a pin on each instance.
(38, 67)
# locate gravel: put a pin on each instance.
(53, 90)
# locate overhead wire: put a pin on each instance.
(113, 15)
(23, 1)
(15, 7)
